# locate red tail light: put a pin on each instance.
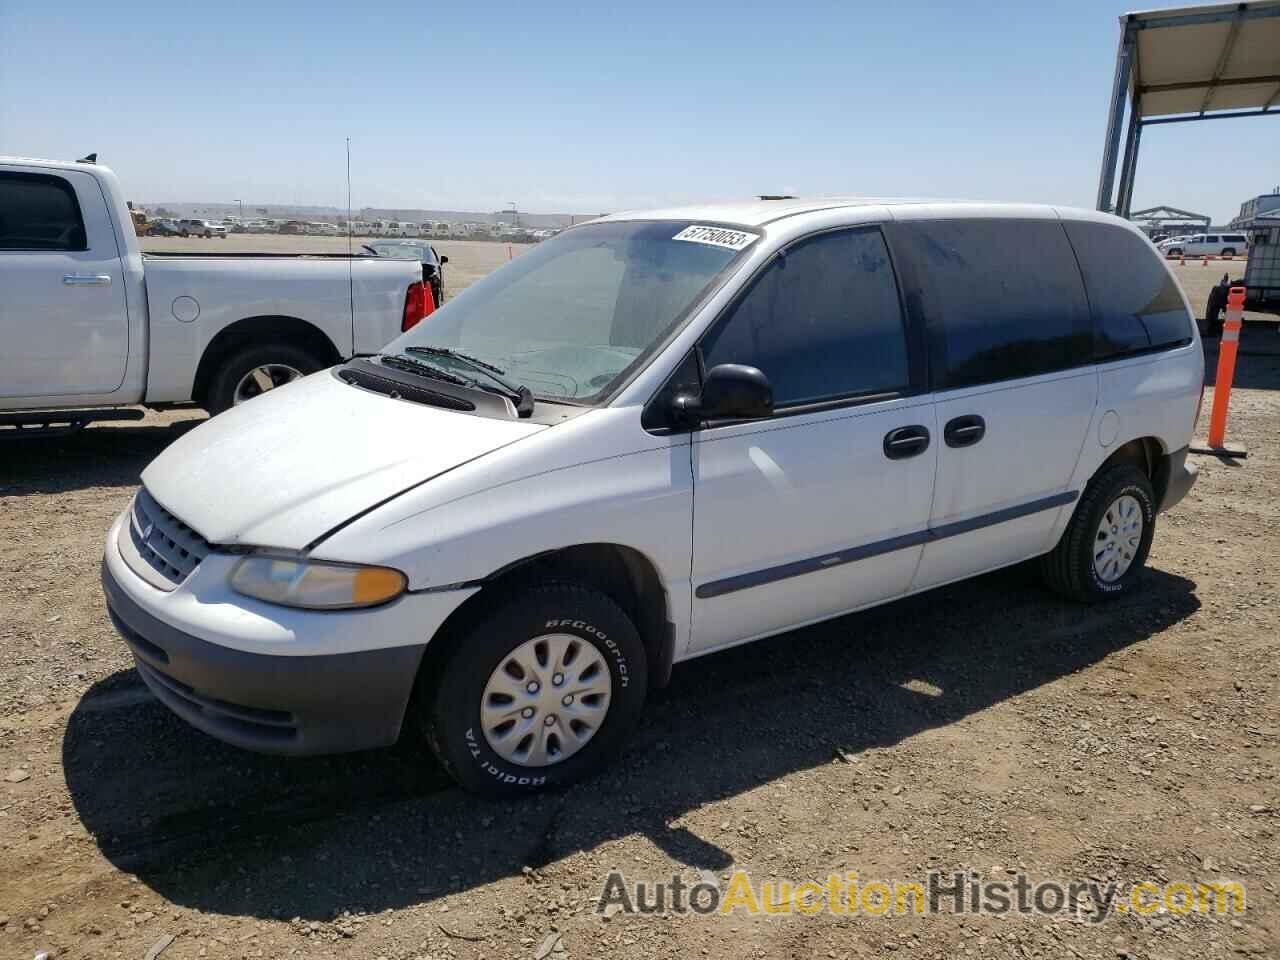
(415, 305)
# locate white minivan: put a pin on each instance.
(655, 436)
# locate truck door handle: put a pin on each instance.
(964, 431)
(906, 442)
(87, 280)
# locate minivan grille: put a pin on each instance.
(164, 543)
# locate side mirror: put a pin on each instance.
(732, 391)
(444, 258)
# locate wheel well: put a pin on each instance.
(624, 575)
(252, 330)
(1147, 454)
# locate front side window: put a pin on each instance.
(823, 322)
(1003, 299)
(576, 315)
(1135, 303)
(39, 212)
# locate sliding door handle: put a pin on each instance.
(964, 431)
(87, 280)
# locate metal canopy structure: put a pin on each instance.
(1211, 62)
(1159, 218)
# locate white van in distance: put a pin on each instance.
(652, 437)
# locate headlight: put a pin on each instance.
(314, 584)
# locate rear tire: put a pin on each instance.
(1229, 252)
(1106, 542)
(1213, 311)
(225, 384)
(450, 707)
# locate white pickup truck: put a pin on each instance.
(89, 324)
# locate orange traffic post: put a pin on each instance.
(1231, 326)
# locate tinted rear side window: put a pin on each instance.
(823, 322)
(1003, 299)
(39, 212)
(1136, 304)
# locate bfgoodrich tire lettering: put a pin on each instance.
(451, 715)
(1069, 568)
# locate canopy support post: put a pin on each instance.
(1129, 169)
(1119, 96)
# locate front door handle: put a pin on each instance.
(906, 442)
(87, 280)
(964, 431)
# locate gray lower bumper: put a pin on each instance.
(1182, 477)
(271, 704)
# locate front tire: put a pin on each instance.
(254, 370)
(1105, 545)
(1229, 252)
(540, 693)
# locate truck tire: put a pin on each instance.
(247, 372)
(1213, 309)
(1106, 542)
(569, 667)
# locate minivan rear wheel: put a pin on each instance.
(540, 693)
(1106, 542)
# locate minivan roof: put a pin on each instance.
(756, 213)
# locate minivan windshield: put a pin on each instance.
(574, 316)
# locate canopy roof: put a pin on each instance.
(1189, 63)
(1201, 59)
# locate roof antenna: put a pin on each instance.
(91, 158)
(776, 196)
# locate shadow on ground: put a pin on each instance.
(1257, 361)
(97, 456)
(217, 829)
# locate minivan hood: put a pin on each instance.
(288, 466)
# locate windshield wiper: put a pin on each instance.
(521, 394)
(421, 369)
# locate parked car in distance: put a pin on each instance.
(90, 323)
(432, 262)
(163, 228)
(655, 436)
(1206, 245)
(200, 228)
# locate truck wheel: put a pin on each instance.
(1107, 540)
(540, 693)
(1213, 311)
(255, 370)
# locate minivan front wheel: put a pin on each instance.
(1107, 540)
(541, 693)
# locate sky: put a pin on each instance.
(594, 107)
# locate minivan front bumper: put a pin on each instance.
(268, 703)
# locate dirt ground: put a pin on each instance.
(985, 726)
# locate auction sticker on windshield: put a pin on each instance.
(716, 236)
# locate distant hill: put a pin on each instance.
(536, 221)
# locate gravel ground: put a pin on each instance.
(984, 726)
